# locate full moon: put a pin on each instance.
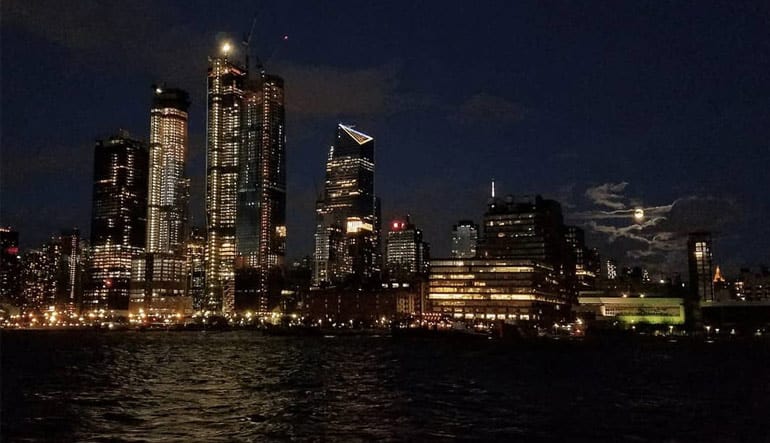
(639, 214)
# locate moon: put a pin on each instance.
(639, 214)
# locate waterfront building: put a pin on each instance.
(10, 262)
(610, 269)
(118, 220)
(586, 260)
(700, 266)
(195, 247)
(223, 140)
(465, 235)
(495, 289)
(261, 211)
(631, 310)
(523, 270)
(39, 275)
(347, 246)
(69, 278)
(529, 229)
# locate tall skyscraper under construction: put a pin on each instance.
(246, 184)
(261, 212)
(347, 230)
(223, 140)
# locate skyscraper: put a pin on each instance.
(159, 278)
(168, 188)
(10, 261)
(465, 235)
(223, 139)
(700, 266)
(195, 247)
(69, 284)
(347, 229)
(118, 219)
(586, 260)
(261, 212)
(406, 252)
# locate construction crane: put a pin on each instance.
(260, 65)
(247, 42)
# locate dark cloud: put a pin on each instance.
(607, 194)
(319, 91)
(489, 108)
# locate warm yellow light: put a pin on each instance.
(639, 214)
(226, 48)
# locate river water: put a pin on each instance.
(242, 386)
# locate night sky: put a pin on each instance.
(661, 105)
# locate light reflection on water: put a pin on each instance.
(203, 386)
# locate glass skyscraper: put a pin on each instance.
(168, 189)
(347, 229)
(700, 266)
(118, 219)
(465, 237)
(261, 212)
(225, 107)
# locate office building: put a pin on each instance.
(586, 260)
(700, 266)
(261, 211)
(523, 270)
(465, 236)
(223, 141)
(195, 247)
(347, 231)
(118, 220)
(406, 253)
(10, 262)
(495, 289)
(69, 279)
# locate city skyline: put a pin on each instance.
(507, 125)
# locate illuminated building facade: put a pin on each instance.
(195, 247)
(521, 271)
(587, 261)
(10, 262)
(347, 231)
(39, 273)
(69, 286)
(495, 289)
(700, 266)
(610, 269)
(118, 220)
(160, 273)
(465, 237)
(168, 189)
(223, 138)
(261, 212)
(529, 229)
(406, 254)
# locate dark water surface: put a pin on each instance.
(241, 386)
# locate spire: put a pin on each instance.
(493, 188)
(718, 276)
(358, 136)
